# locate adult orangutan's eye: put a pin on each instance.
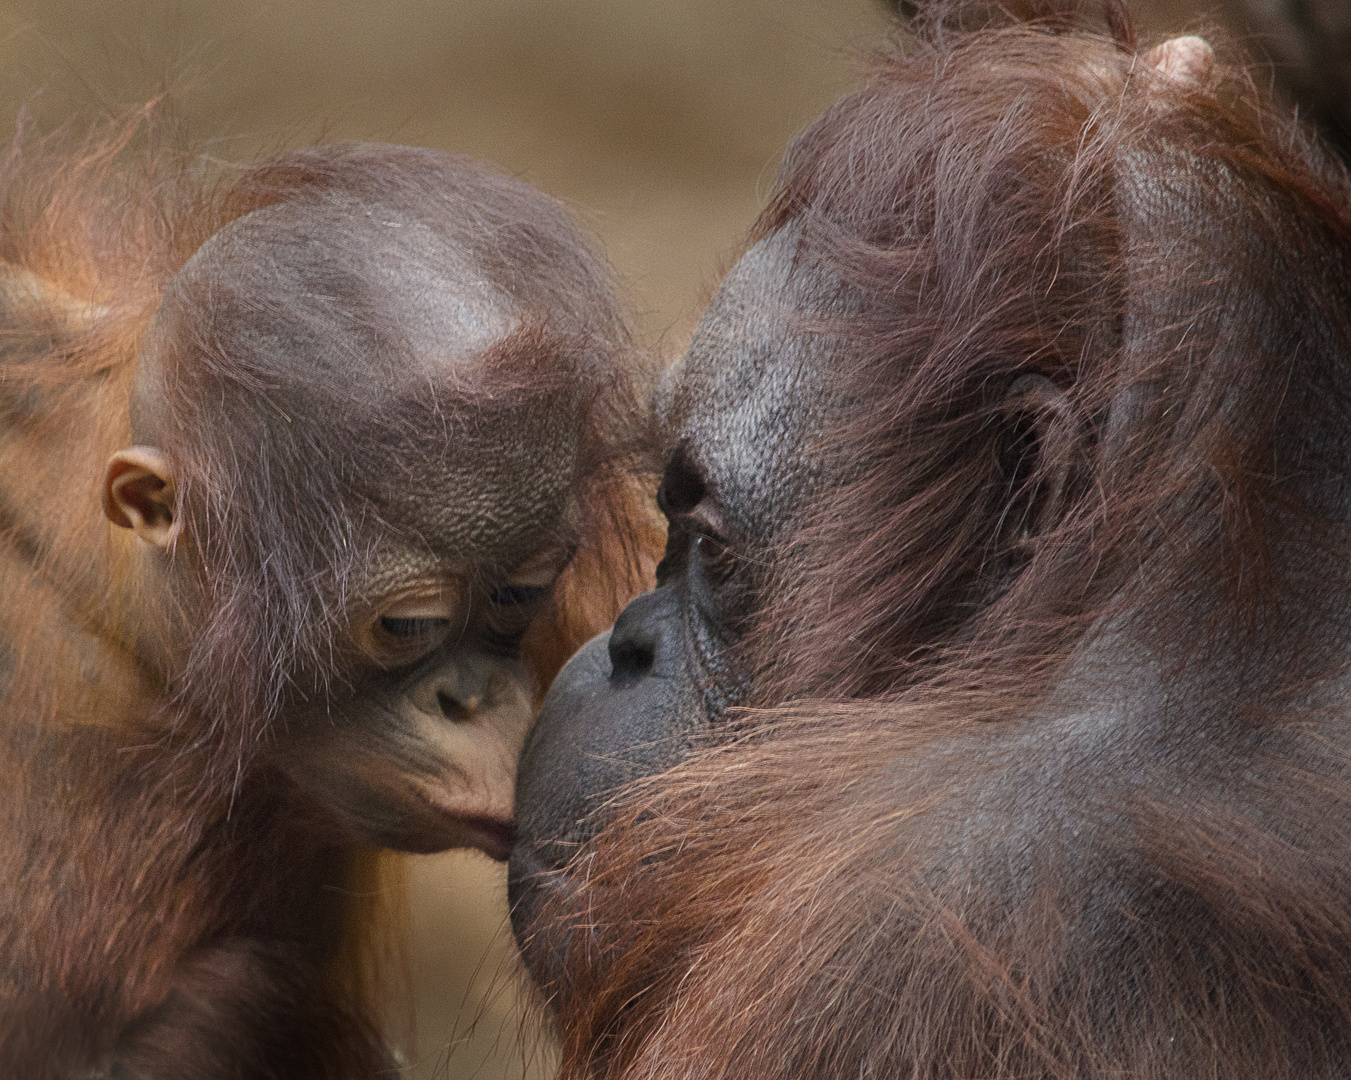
(714, 553)
(705, 523)
(709, 547)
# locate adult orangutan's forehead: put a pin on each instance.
(749, 397)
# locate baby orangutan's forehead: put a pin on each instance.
(356, 364)
(480, 480)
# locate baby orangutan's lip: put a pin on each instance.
(434, 826)
(454, 824)
(491, 836)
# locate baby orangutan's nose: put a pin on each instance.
(458, 706)
(465, 687)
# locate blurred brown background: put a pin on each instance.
(661, 121)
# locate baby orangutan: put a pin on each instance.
(358, 419)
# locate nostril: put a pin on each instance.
(630, 659)
(638, 636)
(454, 709)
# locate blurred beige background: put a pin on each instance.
(661, 121)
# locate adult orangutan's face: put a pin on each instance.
(739, 414)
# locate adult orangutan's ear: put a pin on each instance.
(139, 494)
(1183, 59)
(1041, 457)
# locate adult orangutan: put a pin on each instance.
(990, 716)
(354, 411)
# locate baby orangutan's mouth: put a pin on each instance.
(432, 826)
(452, 821)
(491, 836)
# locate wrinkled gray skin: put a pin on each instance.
(743, 408)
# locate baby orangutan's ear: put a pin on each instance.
(1184, 59)
(139, 494)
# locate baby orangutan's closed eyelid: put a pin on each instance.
(440, 603)
(412, 625)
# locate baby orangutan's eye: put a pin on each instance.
(409, 629)
(513, 609)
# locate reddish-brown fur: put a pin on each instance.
(154, 882)
(791, 904)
